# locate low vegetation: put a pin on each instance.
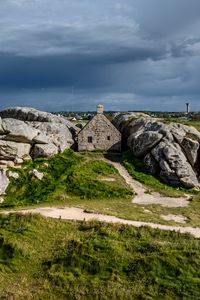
(54, 259)
(136, 169)
(66, 175)
(184, 121)
(83, 180)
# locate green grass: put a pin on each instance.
(136, 169)
(54, 259)
(66, 175)
(188, 122)
(77, 179)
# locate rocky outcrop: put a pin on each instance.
(27, 133)
(169, 151)
(55, 133)
(33, 115)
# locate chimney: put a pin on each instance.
(99, 109)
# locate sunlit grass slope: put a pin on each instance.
(65, 175)
(54, 259)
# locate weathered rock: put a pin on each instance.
(36, 174)
(34, 115)
(44, 150)
(168, 150)
(174, 167)
(13, 175)
(151, 164)
(1, 127)
(122, 121)
(141, 144)
(11, 150)
(4, 164)
(190, 148)
(20, 160)
(41, 139)
(22, 130)
(4, 182)
(56, 133)
(18, 131)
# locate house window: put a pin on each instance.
(108, 138)
(89, 139)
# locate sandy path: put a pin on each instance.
(73, 213)
(142, 196)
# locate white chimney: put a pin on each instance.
(99, 109)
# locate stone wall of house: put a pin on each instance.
(99, 134)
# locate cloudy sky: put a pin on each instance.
(127, 54)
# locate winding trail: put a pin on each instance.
(78, 214)
(142, 196)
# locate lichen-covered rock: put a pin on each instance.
(33, 115)
(56, 133)
(190, 148)
(10, 150)
(174, 167)
(141, 144)
(23, 130)
(4, 164)
(18, 131)
(168, 150)
(122, 120)
(151, 164)
(44, 150)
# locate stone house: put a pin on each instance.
(99, 134)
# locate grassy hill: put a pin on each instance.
(84, 180)
(66, 175)
(55, 259)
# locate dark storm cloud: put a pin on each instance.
(64, 70)
(127, 54)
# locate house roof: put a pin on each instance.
(104, 118)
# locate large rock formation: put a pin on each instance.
(33, 115)
(28, 133)
(169, 151)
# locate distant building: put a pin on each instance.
(99, 134)
(187, 107)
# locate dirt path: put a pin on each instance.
(73, 213)
(142, 196)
